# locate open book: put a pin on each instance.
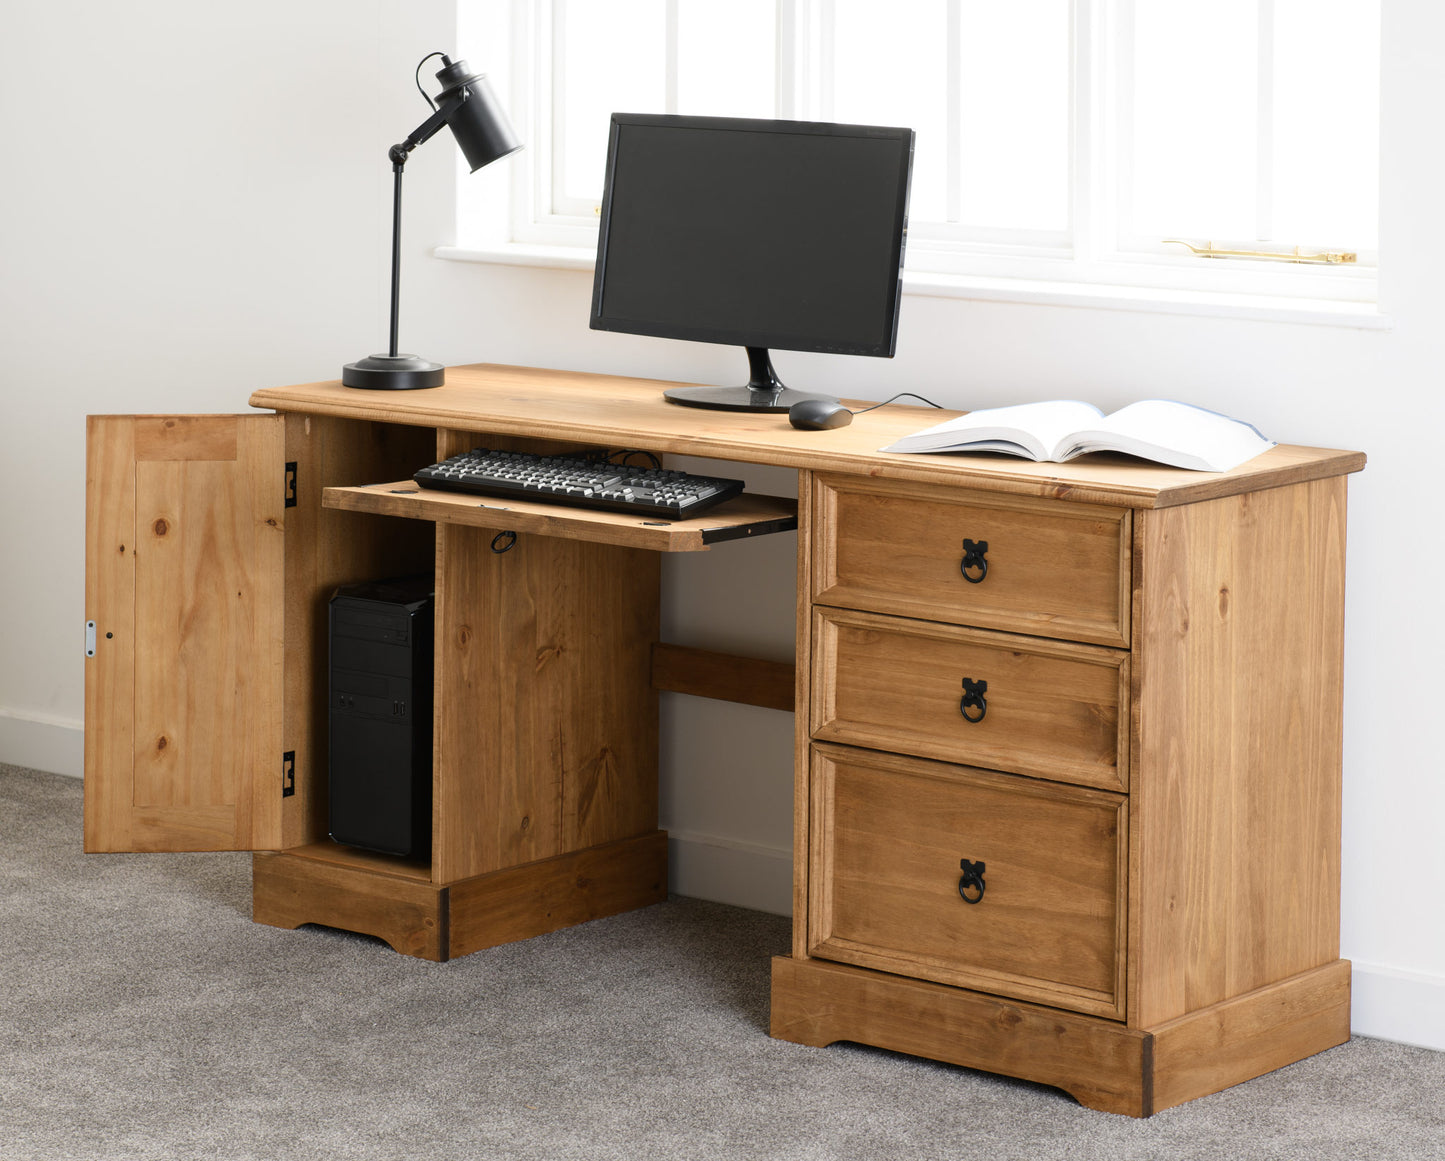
(1156, 429)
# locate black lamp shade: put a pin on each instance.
(479, 125)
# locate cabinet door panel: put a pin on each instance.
(185, 552)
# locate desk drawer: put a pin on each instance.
(1047, 708)
(889, 835)
(1052, 569)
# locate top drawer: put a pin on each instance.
(1051, 568)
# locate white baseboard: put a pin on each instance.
(722, 870)
(1408, 1007)
(40, 742)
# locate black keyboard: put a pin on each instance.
(579, 483)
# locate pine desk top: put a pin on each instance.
(620, 412)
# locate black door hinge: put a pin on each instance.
(290, 484)
(288, 773)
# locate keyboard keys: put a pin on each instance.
(671, 494)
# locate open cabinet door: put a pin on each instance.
(184, 578)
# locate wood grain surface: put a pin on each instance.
(1237, 711)
(1101, 1063)
(520, 902)
(546, 723)
(618, 412)
(1052, 709)
(1054, 570)
(889, 834)
(722, 676)
(1251, 1034)
(745, 515)
(185, 559)
(288, 890)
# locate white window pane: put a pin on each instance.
(1195, 90)
(891, 68)
(727, 58)
(1014, 115)
(610, 58)
(1326, 102)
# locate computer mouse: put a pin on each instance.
(819, 415)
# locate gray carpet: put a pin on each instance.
(143, 1015)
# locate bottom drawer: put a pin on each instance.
(887, 890)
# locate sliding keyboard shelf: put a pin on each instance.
(743, 516)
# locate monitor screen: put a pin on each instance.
(783, 234)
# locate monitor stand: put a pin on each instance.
(764, 390)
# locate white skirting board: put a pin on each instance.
(723, 870)
(1408, 1007)
(38, 742)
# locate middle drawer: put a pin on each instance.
(1048, 708)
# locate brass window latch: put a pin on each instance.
(1315, 257)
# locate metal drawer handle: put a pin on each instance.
(973, 557)
(973, 699)
(971, 880)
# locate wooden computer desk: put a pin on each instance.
(1067, 807)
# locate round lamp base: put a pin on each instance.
(393, 373)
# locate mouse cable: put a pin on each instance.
(626, 454)
(900, 395)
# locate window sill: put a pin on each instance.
(1202, 303)
(522, 254)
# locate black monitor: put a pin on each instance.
(766, 234)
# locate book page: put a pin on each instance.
(1172, 433)
(1035, 429)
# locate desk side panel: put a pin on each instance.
(546, 735)
(1237, 723)
(802, 720)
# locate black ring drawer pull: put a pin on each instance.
(971, 880)
(973, 557)
(973, 699)
(502, 541)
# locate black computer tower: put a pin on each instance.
(380, 718)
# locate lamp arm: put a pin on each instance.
(398, 154)
(427, 129)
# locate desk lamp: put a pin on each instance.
(467, 106)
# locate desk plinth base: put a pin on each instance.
(436, 922)
(1102, 1064)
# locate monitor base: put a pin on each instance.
(740, 398)
(764, 391)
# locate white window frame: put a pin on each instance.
(1093, 264)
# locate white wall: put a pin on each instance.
(205, 211)
(188, 209)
